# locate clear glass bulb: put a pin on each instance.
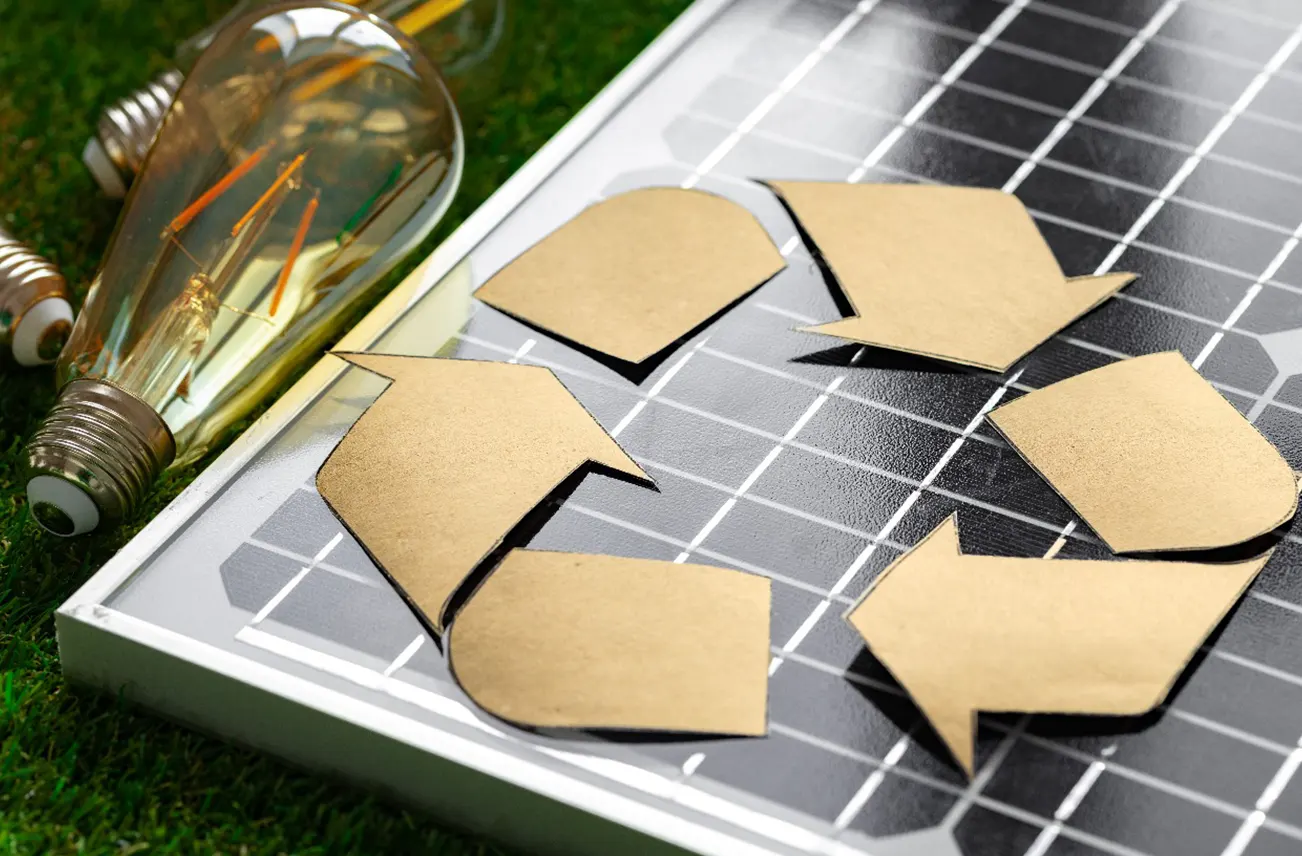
(311, 148)
(465, 38)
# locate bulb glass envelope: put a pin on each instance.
(457, 34)
(467, 39)
(308, 151)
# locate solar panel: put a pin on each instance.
(1158, 137)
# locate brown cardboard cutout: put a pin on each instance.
(577, 641)
(635, 272)
(969, 633)
(448, 459)
(1152, 457)
(955, 273)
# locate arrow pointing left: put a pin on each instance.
(969, 633)
(449, 459)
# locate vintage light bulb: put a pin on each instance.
(310, 149)
(35, 317)
(463, 37)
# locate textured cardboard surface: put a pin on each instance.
(955, 273)
(449, 459)
(1152, 457)
(635, 272)
(969, 633)
(579, 641)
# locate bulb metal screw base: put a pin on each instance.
(35, 317)
(125, 132)
(99, 443)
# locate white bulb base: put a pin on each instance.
(101, 168)
(41, 332)
(98, 444)
(125, 132)
(61, 507)
(35, 318)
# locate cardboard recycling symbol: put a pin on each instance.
(448, 461)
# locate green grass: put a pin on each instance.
(85, 773)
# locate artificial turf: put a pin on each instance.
(82, 773)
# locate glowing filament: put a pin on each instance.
(294, 249)
(271, 191)
(424, 16)
(427, 14)
(211, 194)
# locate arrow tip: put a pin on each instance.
(384, 365)
(598, 445)
(842, 328)
(939, 544)
(1093, 289)
(943, 538)
(858, 328)
(953, 720)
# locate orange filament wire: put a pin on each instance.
(420, 18)
(309, 211)
(210, 195)
(427, 14)
(262, 200)
(338, 74)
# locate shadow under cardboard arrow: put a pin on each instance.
(843, 356)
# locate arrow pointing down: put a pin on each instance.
(968, 633)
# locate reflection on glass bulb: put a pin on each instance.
(465, 38)
(308, 151)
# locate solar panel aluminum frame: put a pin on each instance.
(465, 782)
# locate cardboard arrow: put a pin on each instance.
(566, 640)
(449, 459)
(635, 272)
(955, 273)
(969, 633)
(1152, 457)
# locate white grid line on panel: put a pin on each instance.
(1254, 821)
(279, 596)
(954, 72)
(1096, 88)
(1051, 110)
(1105, 755)
(788, 83)
(1213, 137)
